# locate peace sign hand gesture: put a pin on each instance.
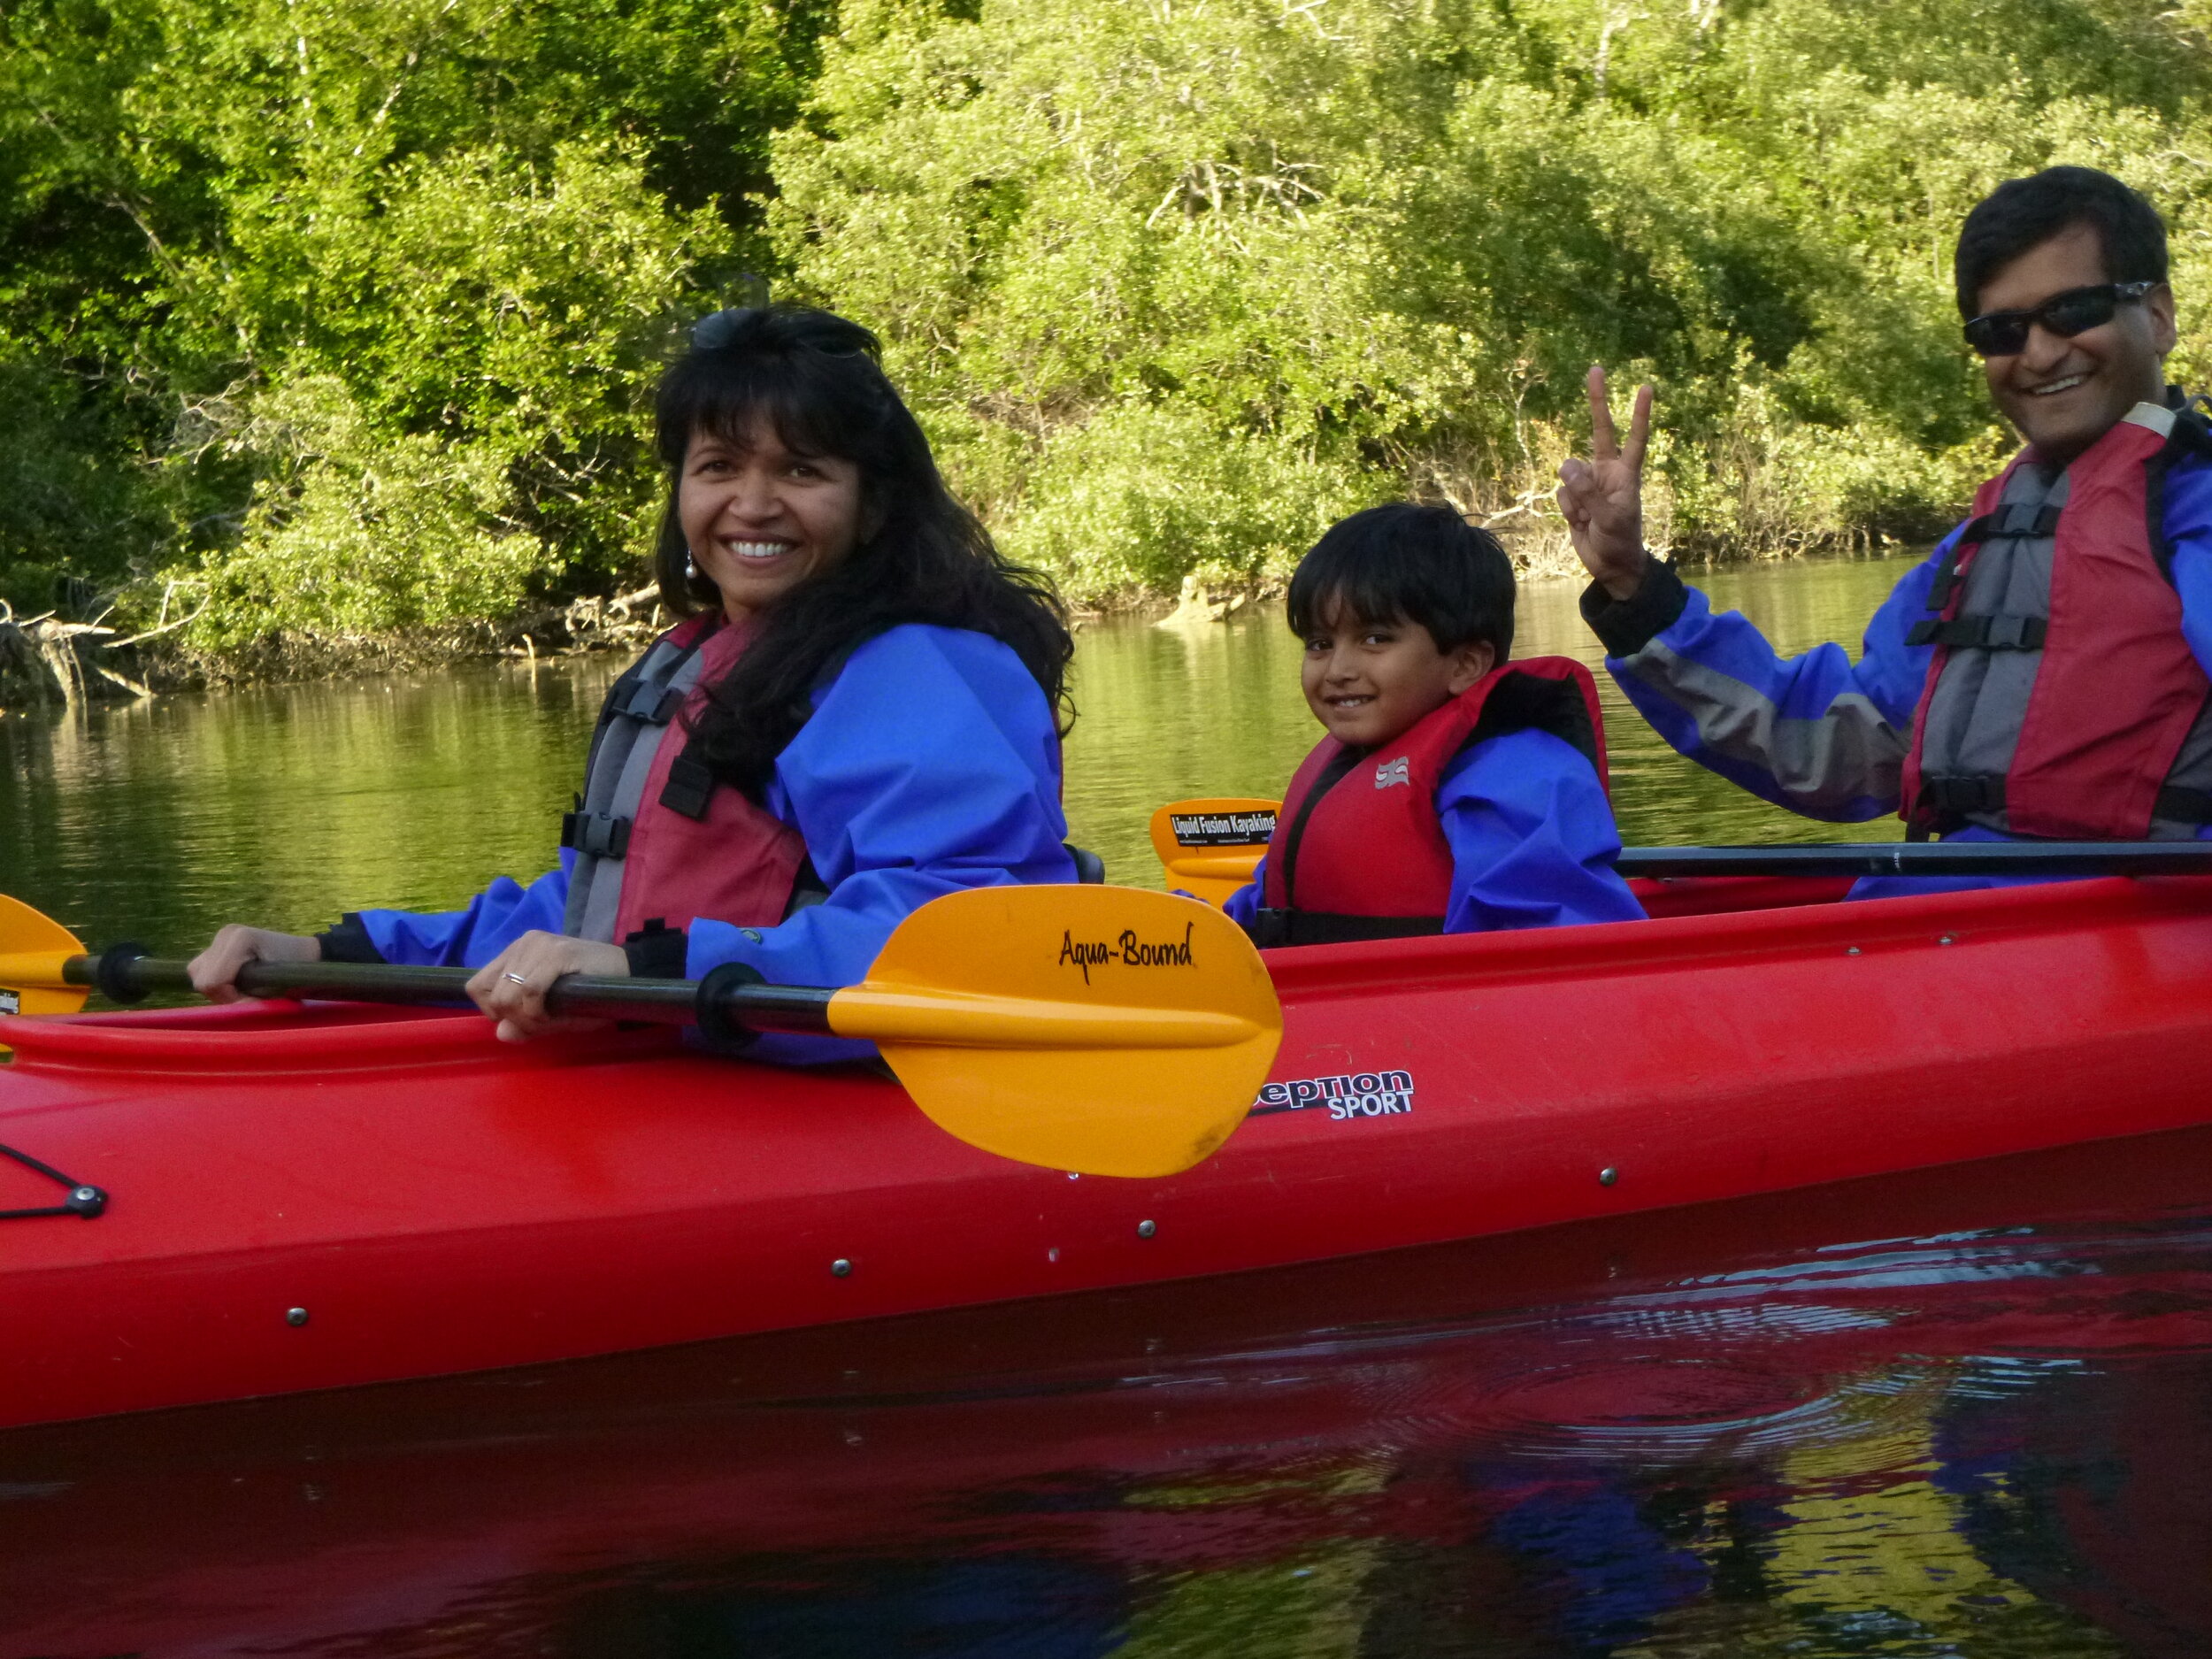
(1603, 497)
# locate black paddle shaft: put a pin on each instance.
(1927, 858)
(731, 1001)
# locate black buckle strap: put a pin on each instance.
(1963, 794)
(2019, 518)
(83, 1200)
(2177, 805)
(1981, 633)
(600, 835)
(690, 786)
(1270, 929)
(654, 701)
(1946, 576)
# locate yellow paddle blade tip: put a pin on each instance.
(33, 948)
(1109, 1030)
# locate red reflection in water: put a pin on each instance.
(1959, 1412)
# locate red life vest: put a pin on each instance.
(2117, 689)
(675, 845)
(1358, 851)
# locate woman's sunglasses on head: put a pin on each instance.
(2005, 333)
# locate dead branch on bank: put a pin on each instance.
(46, 660)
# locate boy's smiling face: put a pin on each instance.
(1369, 682)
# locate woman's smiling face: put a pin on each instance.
(760, 517)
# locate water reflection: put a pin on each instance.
(1979, 1431)
(287, 804)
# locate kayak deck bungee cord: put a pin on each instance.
(299, 1197)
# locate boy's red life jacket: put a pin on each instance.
(656, 839)
(1358, 851)
(2117, 689)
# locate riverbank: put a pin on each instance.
(162, 818)
(53, 661)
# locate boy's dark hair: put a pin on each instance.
(2023, 213)
(813, 378)
(1402, 562)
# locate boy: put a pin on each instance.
(1454, 792)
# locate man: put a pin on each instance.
(2043, 672)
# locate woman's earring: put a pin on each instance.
(691, 566)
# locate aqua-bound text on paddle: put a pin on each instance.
(1129, 950)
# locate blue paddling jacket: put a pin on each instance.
(1827, 737)
(931, 763)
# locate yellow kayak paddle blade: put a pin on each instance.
(32, 949)
(1106, 1031)
(1208, 848)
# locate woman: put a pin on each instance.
(858, 713)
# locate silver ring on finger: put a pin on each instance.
(519, 980)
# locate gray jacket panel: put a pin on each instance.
(614, 788)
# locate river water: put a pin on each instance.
(1961, 1412)
(287, 804)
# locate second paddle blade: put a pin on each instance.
(1209, 846)
(32, 949)
(1170, 1026)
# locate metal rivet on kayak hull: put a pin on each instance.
(1853, 951)
(1946, 940)
(296, 1316)
(841, 1267)
(1146, 1229)
(1607, 1177)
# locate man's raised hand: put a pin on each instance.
(1603, 496)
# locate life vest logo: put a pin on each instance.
(1347, 1094)
(1129, 950)
(1390, 771)
(11, 1002)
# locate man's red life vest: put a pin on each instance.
(1358, 851)
(676, 845)
(2117, 689)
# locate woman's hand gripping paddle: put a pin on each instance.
(1209, 847)
(1104, 1030)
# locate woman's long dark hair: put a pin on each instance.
(814, 379)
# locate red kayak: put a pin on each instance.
(300, 1198)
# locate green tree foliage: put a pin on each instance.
(1179, 280)
(344, 316)
(348, 309)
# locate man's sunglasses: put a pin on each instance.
(2005, 333)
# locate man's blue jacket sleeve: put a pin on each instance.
(1819, 733)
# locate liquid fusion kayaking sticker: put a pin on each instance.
(1348, 1094)
(1222, 829)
